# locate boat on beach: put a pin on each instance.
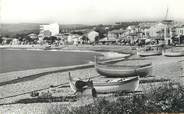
(150, 51)
(134, 62)
(118, 85)
(123, 71)
(173, 54)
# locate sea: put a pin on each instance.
(17, 60)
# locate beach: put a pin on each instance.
(163, 67)
(91, 57)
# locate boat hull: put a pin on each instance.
(124, 71)
(173, 54)
(145, 54)
(131, 84)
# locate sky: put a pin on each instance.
(88, 11)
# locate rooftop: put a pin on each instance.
(118, 31)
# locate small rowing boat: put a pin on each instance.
(129, 84)
(148, 53)
(121, 71)
(173, 54)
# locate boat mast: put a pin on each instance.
(166, 16)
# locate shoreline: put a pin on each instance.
(163, 67)
(108, 55)
(62, 77)
(72, 47)
(31, 74)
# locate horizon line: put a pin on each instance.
(92, 24)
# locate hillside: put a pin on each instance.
(10, 30)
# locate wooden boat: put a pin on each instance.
(113, 70)
(129, 84)
(129, 66)
(148, 53)
(121, 71)
(135, 62)
(173, 54)
(151, 50)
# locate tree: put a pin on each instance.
(50, 39)
(1, 40)
(101, 30)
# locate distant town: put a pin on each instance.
(166, 31)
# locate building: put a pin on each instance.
(6, 40)
(15, 41)
(168, 31)
(116, 34)
(161, 31)
(73, 39)
(131, 29)
(33, 36)
(107, 40)
(153, 30)
(92, 36)
(179, 35)
(180, 30)
(53, 28)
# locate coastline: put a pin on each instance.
(19, 77)
(168, 68)
(62, 77)
(26, 75)
(116, 48)
(31, 74)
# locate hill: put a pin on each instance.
(10, 30)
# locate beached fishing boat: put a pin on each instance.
(135, 62)
(123, 71)
(151, 50)
(148, 53)
(173, 54)
(129, 84)
(126, 70)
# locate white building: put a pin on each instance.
(153, 30)
(15, 41)
(92, 35)
(33, 36)
(180, 30)
(73, 38)
(53, 28)
(116, 34)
